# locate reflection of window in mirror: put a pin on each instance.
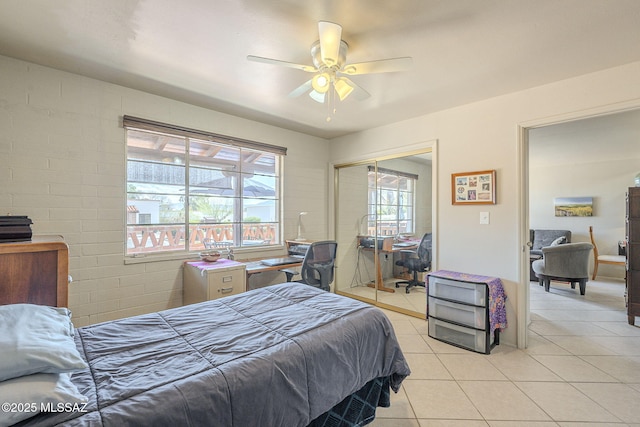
(394, 193)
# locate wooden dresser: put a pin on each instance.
(35, 271)
(633, 254)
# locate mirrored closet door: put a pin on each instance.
(383, 210)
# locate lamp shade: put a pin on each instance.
(343, 89)
(321, 82)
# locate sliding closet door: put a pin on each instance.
(381, 207)
(355, 222)
(403, 206)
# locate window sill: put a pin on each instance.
(240, 254)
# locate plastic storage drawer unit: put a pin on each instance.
(458, 311)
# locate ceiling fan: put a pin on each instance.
(329, 55)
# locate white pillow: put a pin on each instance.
(560, 240)
(36, 338)
(26, 396)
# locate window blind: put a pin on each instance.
(153, 126)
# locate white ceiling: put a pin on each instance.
(195, 50)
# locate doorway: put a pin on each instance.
(594, 156)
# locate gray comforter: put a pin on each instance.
(277, 356)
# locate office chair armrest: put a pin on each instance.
(409, 253)
(290, 273)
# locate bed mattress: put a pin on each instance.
(277, 356)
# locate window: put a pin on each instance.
(187, 189)
(392, 193)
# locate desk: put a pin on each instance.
(255, 266)
(386, 249)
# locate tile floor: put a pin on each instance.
(582, 368)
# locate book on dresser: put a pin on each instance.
(632, 293)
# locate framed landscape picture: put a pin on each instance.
(573, 206)
(473, 188)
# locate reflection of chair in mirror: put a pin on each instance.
(566, 263)
(416, 261)
(603, 259)
(317, 266)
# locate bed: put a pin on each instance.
(284, 355)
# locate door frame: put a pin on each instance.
(523, 298)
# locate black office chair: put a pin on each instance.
(317, 266)
(416, 261)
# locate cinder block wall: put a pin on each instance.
(62, 163)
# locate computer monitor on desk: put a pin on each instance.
(297, 249)
(385, 243)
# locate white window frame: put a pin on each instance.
(194, 236)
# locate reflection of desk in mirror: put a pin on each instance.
(385, 245)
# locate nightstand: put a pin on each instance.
(203, 281)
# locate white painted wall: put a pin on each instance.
(482, 136)
(596, 157)
(62, 163)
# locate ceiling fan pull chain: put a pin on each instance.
(329, 103)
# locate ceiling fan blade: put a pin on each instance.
(302, 89)
(307, 68)
(358, 92)
(330, 37)
(317, 96)
(380, 66)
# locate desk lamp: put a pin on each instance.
(366, 230)
(299, 237)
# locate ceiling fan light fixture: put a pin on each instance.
(321, 82)
(329, 83)
(343, 89)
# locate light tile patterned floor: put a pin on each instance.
(582, 368)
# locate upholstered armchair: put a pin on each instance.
(543, 238)
(565, 263)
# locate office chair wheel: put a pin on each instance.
(408, 290)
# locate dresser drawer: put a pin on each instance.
(461, 336)
(469, 315)
(225, 283)
(465, 292)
